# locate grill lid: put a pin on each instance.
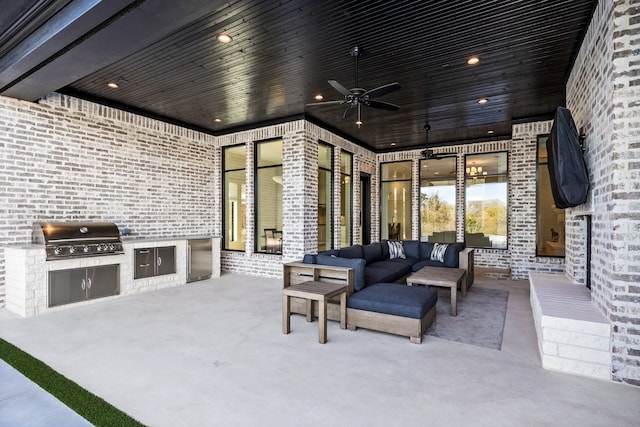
(68, 232)
(77, 239)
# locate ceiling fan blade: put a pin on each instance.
(349, 112)
(337, 86)
(382, 90)
(383, 105)
(326, 103)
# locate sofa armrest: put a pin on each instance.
(465, 261)
(298, 272)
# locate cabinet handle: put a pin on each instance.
(144, 265)
(159, 261)
(83, 284)
(89, 283)
(189, 258)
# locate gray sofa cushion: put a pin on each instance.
(309, 259)
(330, 252)
(351, 252)
(426, 263)
(356, 263)
(425, 250)
(373, 275)
(372, 252)
(385, 249)
(451, 255)
(411, 248)
(394, 299)
(388, 270)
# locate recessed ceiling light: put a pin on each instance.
(319, 97)
(491, 132)
(393, 144)
(224, 38)
(483, 100)
(113, 85)
(473, 60)
(217, 120)
(436, 173)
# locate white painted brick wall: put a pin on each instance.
(603, 94)
(520, 257)
(300, 192)
(69, 159)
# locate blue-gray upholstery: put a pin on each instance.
(376, 267)
(357, 264)
(395, 299)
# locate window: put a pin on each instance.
(550, 220)
(346, 197)
(486, 200)
(234, 184)
(395, 200)
(268, 197)
(325, 197)
(438, 200)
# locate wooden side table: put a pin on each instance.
(314, 291)
(441, 276)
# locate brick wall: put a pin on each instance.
(68, 159)
(300, 192)
(603, 94)
(520, 257)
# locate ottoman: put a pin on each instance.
(393, 308)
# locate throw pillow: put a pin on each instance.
(396, 250)
(437, 253)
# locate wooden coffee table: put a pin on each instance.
(314, 291)
(441, 276)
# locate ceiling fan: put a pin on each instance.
(428, 153)
(355, 97)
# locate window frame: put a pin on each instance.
(225, 196)
(454, 178)
(256, 194)
(409, 199)
(348, 218)
(330, 193)
(561, 236)
(506, 175)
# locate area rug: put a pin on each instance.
(480, 319)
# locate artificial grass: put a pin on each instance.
(89, 406)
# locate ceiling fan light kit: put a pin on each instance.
(355, 97)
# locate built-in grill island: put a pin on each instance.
(71, 263)
(73, 240)
(77, 239)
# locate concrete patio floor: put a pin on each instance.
(212, 353)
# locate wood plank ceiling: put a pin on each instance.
(166, 60)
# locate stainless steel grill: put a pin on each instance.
(63, 240)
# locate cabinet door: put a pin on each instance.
(103, 281)
(67, 286)
(166, 260)
(145, 263)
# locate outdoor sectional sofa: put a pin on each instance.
(370, 272)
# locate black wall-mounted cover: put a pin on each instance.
(567, 168)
